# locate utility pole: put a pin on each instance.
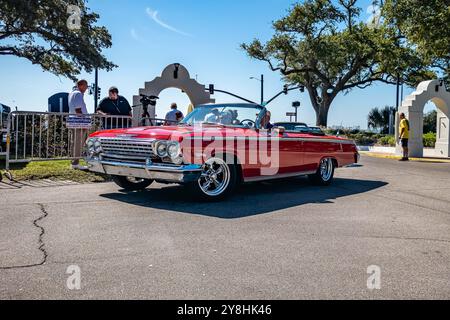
(262, 89)
(261, 80)
(397, 105)
(96, 90)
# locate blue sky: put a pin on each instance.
(204, 36)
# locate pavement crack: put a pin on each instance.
(44, 214)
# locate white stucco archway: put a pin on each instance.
(174, 76)
(413, 107)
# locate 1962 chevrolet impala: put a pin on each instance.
(214, 149)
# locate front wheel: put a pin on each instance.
(325, 173)
(131, 183)
(218, 180)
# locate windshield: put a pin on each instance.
(235, 115)
(292, 126)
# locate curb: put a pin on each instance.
(395, 157)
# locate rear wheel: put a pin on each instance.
(218, 180)
(325, 173)
(131, 183)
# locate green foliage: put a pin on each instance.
(388, 140)
(323, 45)
(425, 26)
(38, 30)
(54, 170)
(367, 138)
(362, 139)
(429, 140)
(379, 119)
(430, 122)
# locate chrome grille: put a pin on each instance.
(127, 149)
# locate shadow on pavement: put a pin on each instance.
(249, 199)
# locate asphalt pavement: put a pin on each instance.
(282, 239)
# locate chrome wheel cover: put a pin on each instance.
(326, 169)
(215, 177)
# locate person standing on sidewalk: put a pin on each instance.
(404, 136)
(115, 106)
(77, 106)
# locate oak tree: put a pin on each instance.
(61, 36)
(327, 47)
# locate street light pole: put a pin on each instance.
(262, 86)
(96, 90)
(262, 89)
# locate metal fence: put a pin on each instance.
(156, 122)
(42, 136)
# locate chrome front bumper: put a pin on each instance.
(164, 173)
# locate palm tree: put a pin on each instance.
(378, 118)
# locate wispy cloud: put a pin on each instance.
(154, 15)
(135, 35)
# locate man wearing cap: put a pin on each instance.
(114, 105)
(77, 106)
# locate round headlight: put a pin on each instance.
(161, 149)
(174, 150)
(97, 146)
(90, 145)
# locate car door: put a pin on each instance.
(290, 151)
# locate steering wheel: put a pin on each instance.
(250, 123)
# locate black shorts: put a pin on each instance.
(405, 143)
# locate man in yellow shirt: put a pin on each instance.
(404, 136)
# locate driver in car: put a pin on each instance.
(227, 117)
(265, 122)
(213, 117)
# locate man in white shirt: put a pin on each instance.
(171, 117)
(76, 98)
(79, 136)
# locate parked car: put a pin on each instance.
(317, 131)
(300, 127)
(214, 149)
(291, 126)
(4, 112)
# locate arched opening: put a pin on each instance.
(430, 119)
(436, 128)
(430, 96)
(169, 96)
(173, 76)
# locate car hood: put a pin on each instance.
(173, 133)
(179, 133)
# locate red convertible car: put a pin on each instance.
(214, 149)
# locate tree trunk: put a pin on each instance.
(322, 112)
(322, 116)
(321, 104)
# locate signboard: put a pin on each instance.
(78, 122)
(290, 114)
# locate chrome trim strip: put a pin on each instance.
(133, 140)
(155, 167)
(279, 176)
(159, 172)
(213, 138)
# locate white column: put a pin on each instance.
(442, 135)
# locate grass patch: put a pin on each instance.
(53, 170)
